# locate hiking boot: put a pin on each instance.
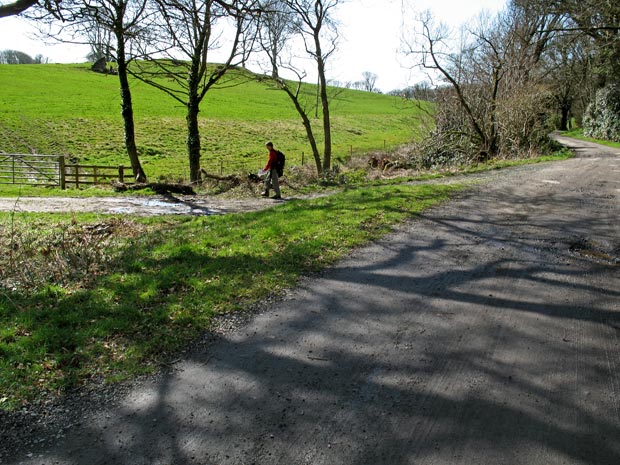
(276, 197)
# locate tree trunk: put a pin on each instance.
(564, 118)
(127, 112)
(492, 143)
(327, 126)
(327, 130)
(306, 122)
(193, 138)
(313, 145)
(17, 7)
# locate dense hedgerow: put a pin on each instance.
(602, 117)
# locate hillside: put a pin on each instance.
(69, 110)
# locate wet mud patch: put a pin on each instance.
(595, 251)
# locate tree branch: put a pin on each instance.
(13, 9)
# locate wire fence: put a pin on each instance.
(224, 166)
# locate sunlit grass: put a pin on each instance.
(72, 111)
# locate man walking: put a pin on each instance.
(272, 179)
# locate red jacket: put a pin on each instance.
(273, 156)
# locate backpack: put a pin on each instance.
(279, 163)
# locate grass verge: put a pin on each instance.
(95, 297)
(578, 134)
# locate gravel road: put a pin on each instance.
(487, 331)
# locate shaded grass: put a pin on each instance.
(155, 292)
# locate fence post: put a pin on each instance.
(302, 158)
(61, 172)
(121, 174)
(77, 176)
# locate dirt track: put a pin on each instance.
(135, 205)
(485, 332)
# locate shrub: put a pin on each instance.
(525, 119)
(602, 117)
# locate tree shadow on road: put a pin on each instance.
(463, 338)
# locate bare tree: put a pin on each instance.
(491, 76)
(275, 32)
(369, 81)
(282, 22)
(459, 71)
(101, 40)
(600, 20)
(568, 69)
(594, 25)
(275, 29)
(188, 33)
(21, 7)
(315, 24)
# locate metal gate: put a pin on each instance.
(36, 170)
(51, 170)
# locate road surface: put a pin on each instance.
(486, 331)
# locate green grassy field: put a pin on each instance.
(70, 110)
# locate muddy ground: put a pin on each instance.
(172, 204)
(487, 331)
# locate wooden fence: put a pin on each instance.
(79, 175)
(49, 170)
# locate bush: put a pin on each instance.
(525, 119)
(602, 117)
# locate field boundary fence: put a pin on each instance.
(42, 170)
(53, 171)
(223, 166)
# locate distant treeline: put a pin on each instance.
(15, 57)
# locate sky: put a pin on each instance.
(370, 38)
